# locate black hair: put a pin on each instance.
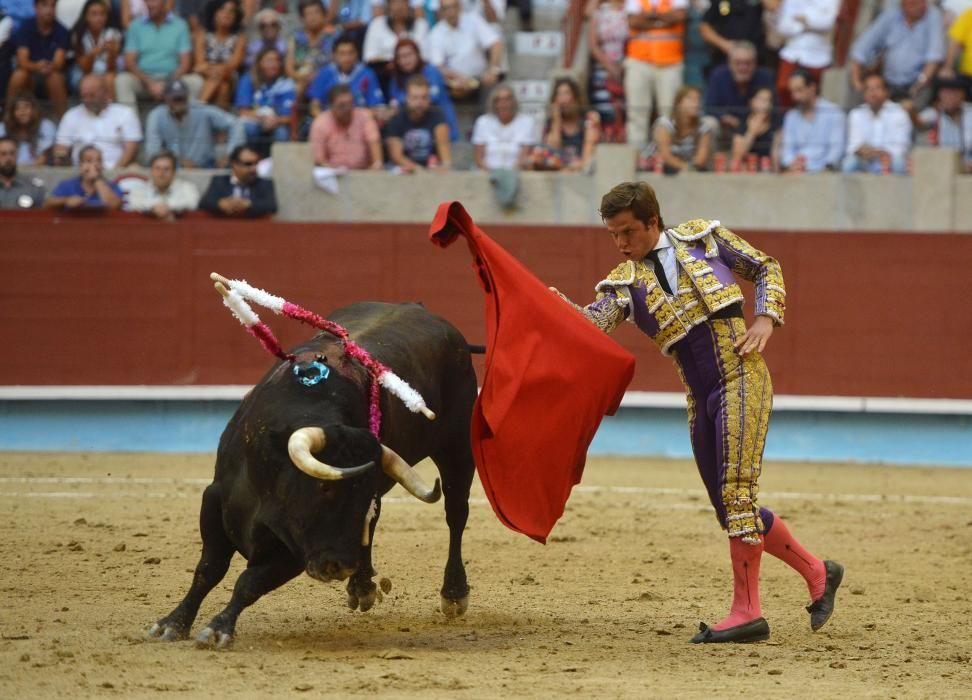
(338, 90)
(304, 4)
(165, 153)
(808, 77)
(345, 39)
(79, 28)
(213, 6)
(236, 152)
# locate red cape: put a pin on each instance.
(551, 375)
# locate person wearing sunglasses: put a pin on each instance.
(242, 193)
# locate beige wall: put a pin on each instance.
(934, 199)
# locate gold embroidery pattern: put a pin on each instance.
(760, 269)
(689, 397)
(747, 399)
(604, 312)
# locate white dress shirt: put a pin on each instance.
(888, 130)
(666, 256)
(462, 48)
(181, 196)
(808, 44)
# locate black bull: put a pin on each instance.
(284, 521)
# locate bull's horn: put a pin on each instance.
(399, 470)
(305, 441)
(216, 277)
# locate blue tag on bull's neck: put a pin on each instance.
(311, 373)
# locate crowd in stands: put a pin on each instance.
(725, 85)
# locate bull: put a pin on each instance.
(299, 477)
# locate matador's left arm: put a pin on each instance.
(759, 268)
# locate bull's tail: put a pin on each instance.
(477, 349)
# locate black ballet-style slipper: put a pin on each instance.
(823, 607)
(753, 631)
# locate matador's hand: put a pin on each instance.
(756, 336)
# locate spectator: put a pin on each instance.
(878, 132)
(950, 120)
(242, 193)
(732, 86)
(219, 50)
(729, 21)
(163, 195)
(310, 49)
(268, 25)
(572, 130)
(655, 57)
(96, 44)
(960, 43)
(607, 27)
(346, 70)
(909, 42)
(758, 134)
(805, 26)
(418, 136)
(40, 46)
(265, 100)
(190, 129)
(684, 140)
(345, 136)
(113, 128)
(90, 190)
(408, 63)
(813, 130)
(19, 11)
(16, 192)
(352, 18)
(24, 126)
(131, 10)
(157, 49)
(502, 138)
(459, 45)
(193, 11)
(384, 33)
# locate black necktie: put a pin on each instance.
(660, 272)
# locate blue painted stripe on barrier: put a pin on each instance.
(195, 426)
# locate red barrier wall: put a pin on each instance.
(125, 300)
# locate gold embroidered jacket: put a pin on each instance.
(709, 256)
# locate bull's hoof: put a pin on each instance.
(213, 639)
(454, 607)
(364, 600)
(166, 631)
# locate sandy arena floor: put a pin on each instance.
(97, 547)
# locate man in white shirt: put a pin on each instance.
(467, 50)
(879, 132)
(163, 195)
(805, 26)
(502, 138)
(112, 127)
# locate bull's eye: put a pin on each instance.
(311, 373)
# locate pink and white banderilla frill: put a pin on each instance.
(236, 293)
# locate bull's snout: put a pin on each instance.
(327, 570)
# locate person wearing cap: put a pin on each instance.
(950, 120)
(188, 129)
(157, 48)
(268, 25)
(16, 192)
(114, 128)
(242, 193)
